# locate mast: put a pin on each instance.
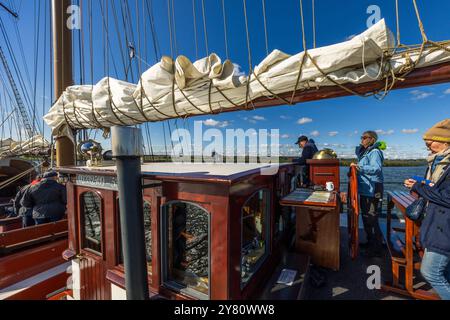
(63, 75)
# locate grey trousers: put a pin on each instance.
(370, 209)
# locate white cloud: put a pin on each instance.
(258, 118)
(420, 95)
(315, 133)
(333, 133)
(238, 70)
(215, 123)
(385, 133)
(304, 120)
(285, 136)
(447, 91)
(410, 131)
(285, 117)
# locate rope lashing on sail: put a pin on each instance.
(387, 72)
(34, 146)
(209, 86)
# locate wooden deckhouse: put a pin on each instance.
(213, 231)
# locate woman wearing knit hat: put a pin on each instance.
(435, 228)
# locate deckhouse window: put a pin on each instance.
(255, 218)
(148, 234)
(91, 206)
(186, 249)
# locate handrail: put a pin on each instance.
(354, 190)
(353, 213)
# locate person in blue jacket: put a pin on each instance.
(370, 188)
(435, 227)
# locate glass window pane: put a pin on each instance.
(91, 211)
(254, 234)
(148, 234)
(188, 247)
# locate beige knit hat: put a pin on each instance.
(440, 132)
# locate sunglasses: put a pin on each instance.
(365, 137)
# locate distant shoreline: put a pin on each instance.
(394, 163)
(345, 162)
(387, 162)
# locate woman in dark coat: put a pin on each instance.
(435, 228)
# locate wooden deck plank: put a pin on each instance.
(297, 291)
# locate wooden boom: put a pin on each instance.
(420, 77)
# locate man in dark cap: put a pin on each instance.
(47, 198)
(309, 150)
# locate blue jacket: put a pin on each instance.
(435, 229)
(370, 173)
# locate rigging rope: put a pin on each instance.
(36, 53)
(314, 22)
(11, 180)
(44, 54)
(204, 28)
(16, 68)
(170, 16)
(265, 26)
(249, 51)
(119, 39)
(422, 29)
(225, 33)
(195, 29)
(175, 41)
(153, 31)
(397, 15)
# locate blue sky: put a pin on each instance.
(400, 118)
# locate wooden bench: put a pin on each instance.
(21, 239)
(294, 261)
(9, 224)
(408, 257)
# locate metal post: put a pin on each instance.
(62, 65)
(127, 149)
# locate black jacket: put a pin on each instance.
(20, 210)
(435, 229)
(48, 199)
(309, 150)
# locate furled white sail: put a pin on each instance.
(31, 146)
(180, 88)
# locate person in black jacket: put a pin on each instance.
(21, 211)
(48, 199)
(435, 228)
(309, 149)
